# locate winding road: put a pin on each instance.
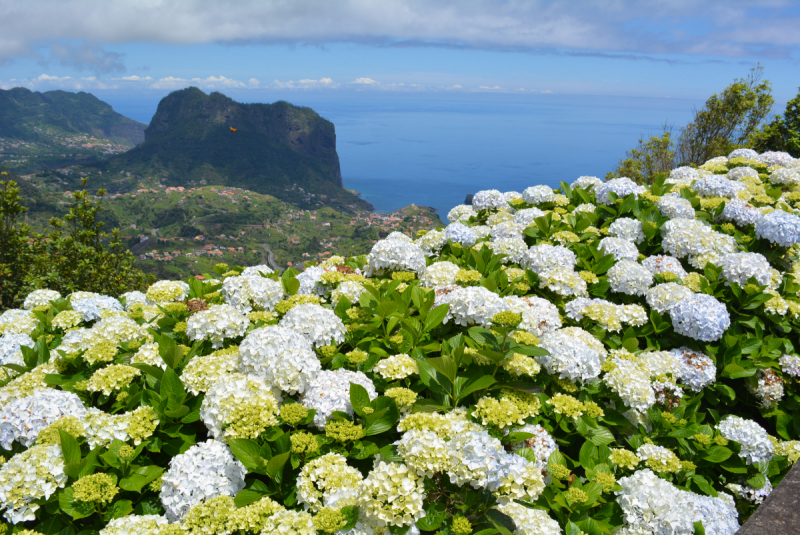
(270, 259)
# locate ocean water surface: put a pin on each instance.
(432, 150)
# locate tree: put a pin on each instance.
(13, 242)
(727, 120)
(783, 133)
(73, 256)
(656, 155)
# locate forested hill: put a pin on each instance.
(29, 116)
(279, 149)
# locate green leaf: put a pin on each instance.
(446, 366)
(588, 455)
(435, 317)
(140, 477)
(350, 514)
(604, 264)
(716, 454)
(69, 447)
(248, 452)
(389, 452)
(172, 388)
(153, 371)
(383, 418)
(703, 484)
(757, 480)
(291, 285)
(359, 398)
(66, 500)
(247, 496)
(435, 514)
(465, 386)
(699, 529)
(118, 509)
(275, 465)
(502, 522)
(600, 436)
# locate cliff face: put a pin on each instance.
(193, 115)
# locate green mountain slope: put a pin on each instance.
(277, 149)
(57, 128)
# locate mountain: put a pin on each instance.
(198, 139)
(57, 128)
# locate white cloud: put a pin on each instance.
(365, 81)
(135, 78)
(490, 88)
(731, 28)
(306, 83)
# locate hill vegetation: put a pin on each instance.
(53, 129)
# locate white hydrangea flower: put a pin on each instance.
(663, 263)
(391, 495)
(749, 154)
(134, 525)
(696, 369)
(10, 348)
(74, 297)
(622, 187)
(22, 419)
(489, 199)
(320, 325)
(204, 471)
(542, 443)
(753, 438)
(395, 255)
(40, 298)
(148, 354)
(683, 175)
(92, 308)
(424, 451)
(326, 476)
(608, 315)
(695, 239)
(660, 363)
(15, 321)
(775, 158)
(218, 323)
(574, 354)
(790, 364)
(513, 248)
(663, 297)
(673, 206)
(631, 381)
(132, 298)
(482, 231)
(30, 476)
(587, 207)
(564, 282)
(330, 391)
(779, 227)
(740, 267)
(439, 274)
(621, 249)
(352, 290)
(246, 403)
(740, 212)
(309, 281)
(475, 458)
(738, 173)
(507, 229)
(282, 356)
(258, 270)
(102, 428)
(785, 176)
(769, 389)
(474, 305)
(248, 291)
(396, 367)
(629, 278)
(627, 229)
(202, 372)
(530, 521)
(166, 292)
(459, 233)
(700, 317)
(512, 195)
(538, 195)
(717, 186)
(586, 182)
(527, 216)
(462, 212)
(544, 257)
(431, 242)
(750, 493)
(539, 316)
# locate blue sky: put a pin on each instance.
(261, 51)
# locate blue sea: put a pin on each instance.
(434, 149)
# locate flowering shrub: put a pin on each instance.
(601, 358)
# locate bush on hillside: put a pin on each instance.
(601, 358)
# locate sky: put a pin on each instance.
(261, 51)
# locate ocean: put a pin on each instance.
(434, 149)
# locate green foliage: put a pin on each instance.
(727, 120)
(641, 164)
(13, 242)
(75, 255)
(783, 133)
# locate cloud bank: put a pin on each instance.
(734, 28)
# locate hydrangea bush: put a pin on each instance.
(601, 358)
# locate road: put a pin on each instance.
(270, 259)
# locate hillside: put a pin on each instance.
(276, 149)
(57, 128)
